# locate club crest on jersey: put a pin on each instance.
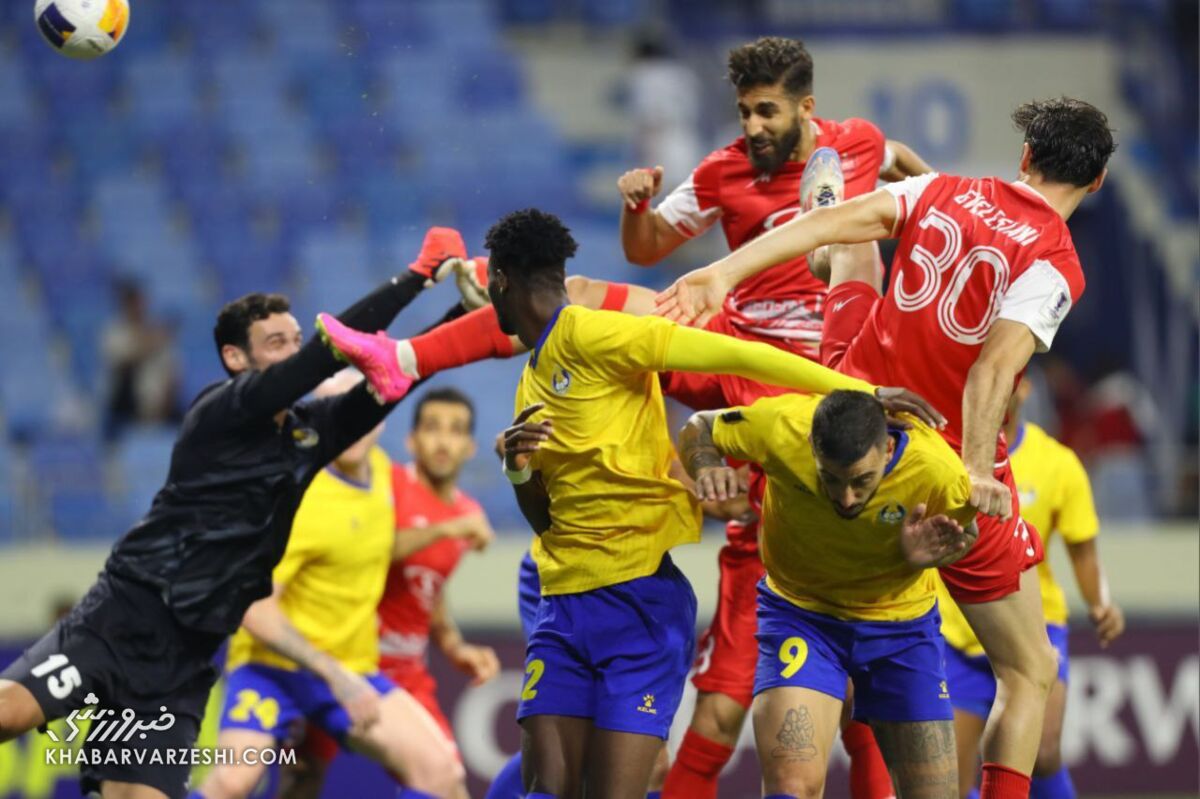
(560, 381)
(892, 513)
(305, 437)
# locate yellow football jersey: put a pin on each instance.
(848, 568)
(334, 570)
(614, 509)
(1056, 497)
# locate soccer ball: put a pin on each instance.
(82, 28)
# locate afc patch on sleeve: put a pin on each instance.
(1055, 308)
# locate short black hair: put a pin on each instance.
(531, 246)
(847, 425)
(234, 320)
(771, 60)
(1070, 140)
(447, 394)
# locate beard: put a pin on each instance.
(773, 159)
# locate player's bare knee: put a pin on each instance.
(800, 783)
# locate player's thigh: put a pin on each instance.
(409, 741)
(553, 754)
(620, 764)
(112, 789)
(239, 778)
(921, 757)
(1012, 631)
(794, 730)
(19, 710)
(968, 732)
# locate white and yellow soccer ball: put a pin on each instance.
(82, 29)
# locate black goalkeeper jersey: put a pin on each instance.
(220, 523)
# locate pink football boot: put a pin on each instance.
(372, 354)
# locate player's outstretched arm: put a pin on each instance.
(1105, 615)
(267, 392)
(1006, 352)
(691, 350)
(694, 298)
(473, 528)
(266, 621)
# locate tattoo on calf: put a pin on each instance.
(796, 736)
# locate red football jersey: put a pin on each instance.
(786, 301)
(971, 251)
(414, 585)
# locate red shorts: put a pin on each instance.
(702, 392)
(728, 651)
(419, 683)
(1006, 548)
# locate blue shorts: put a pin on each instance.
(972, 683)
(618, 655)
(896, 666)
(272, 700)
(529, 594)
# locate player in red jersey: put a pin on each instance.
(985, 273)
(751, 186)
(436, 524)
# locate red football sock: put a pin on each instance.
(1001, 782)
(869, 777)
(467, 339)
(697, 766)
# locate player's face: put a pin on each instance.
(273, 340)
(771, 120)
(441, 442)
(851, 487)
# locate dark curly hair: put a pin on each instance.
(771, 60)
(847, 425)
(234, 320)
(1070, 139)
(531, 246)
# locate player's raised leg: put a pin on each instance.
(794, 730)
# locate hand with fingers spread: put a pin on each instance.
(639, 186)
(934, 541)
(694, 298)
(901, 400)
(718, 483)
(523, 438)
(990, 496)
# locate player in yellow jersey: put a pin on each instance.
(1056, 497)
(590, 456)
(853, 515)
(310, 650)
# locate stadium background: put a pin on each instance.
(305, 145)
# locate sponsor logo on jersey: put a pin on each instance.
(892, 513)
